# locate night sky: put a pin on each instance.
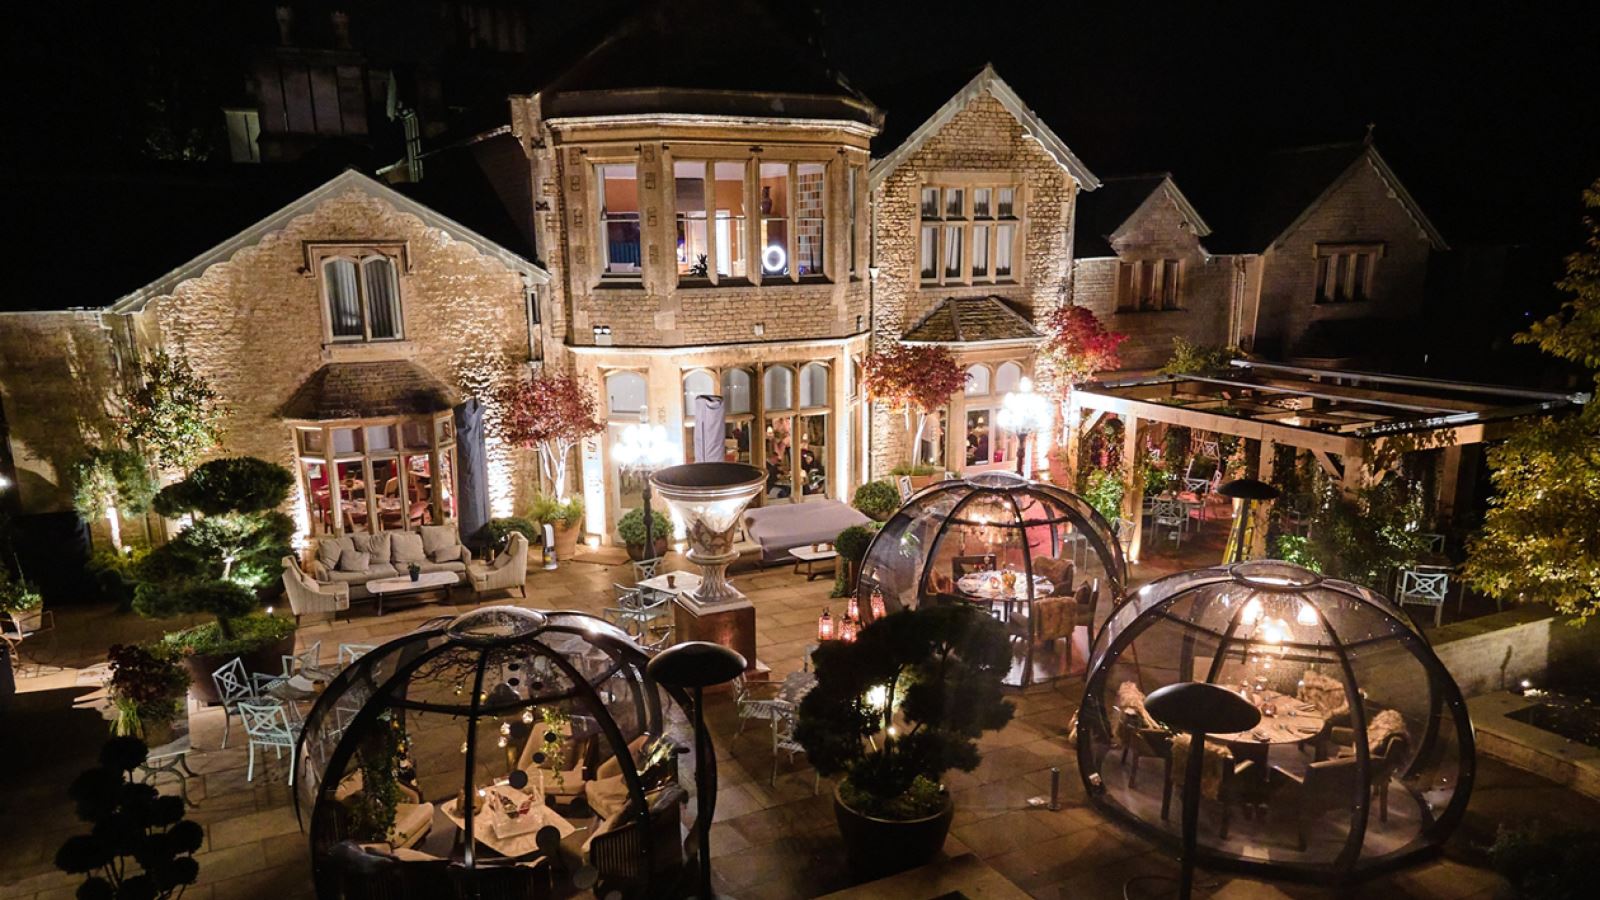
(1489, 111)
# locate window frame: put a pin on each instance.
(439, 451)
(1328, 256)
(968, 224)
(761, 415)
(1166, 280)
(602, 220)
(318, 254)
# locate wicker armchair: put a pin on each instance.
(617, 850)
(509, 571)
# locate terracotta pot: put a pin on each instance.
(567, 539)
(879, 847)
(636, 551)
(918, 482)
(267, 659)
(156, 734)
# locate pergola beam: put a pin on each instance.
(1221, 423)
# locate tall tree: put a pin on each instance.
(550, 413)
(111, 483)
(915, 378)
(1539, 542)
(175, 415)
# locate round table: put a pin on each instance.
(1292, 721)
(989, 586)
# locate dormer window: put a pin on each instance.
(361, 288)
(1344, 271)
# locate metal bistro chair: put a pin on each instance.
(307, 662)
(349, 653)
(268, 726)
(1425, 586)
(755, 700)
(783, 726)
(236, 687)
(645, 568)
(1169, 513)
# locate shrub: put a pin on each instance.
(146, 686)
(175, 414)
(115, 575)
(1294, 548)
(140, 845)
(547, 510)
(1189, 358)
(1546, 865)
(916, 471)
(631, 527)
(496, 532)
(1104, 493)
(17, 595)
(238, 484)
(226, 600)
(250, 632)
(852, 546)
(936, 673)
(877, 499)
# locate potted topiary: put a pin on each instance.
(851, 545)
(877, 500)
(147, 689)
(565, 518)
(892, 712)
(631, 529)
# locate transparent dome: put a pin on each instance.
(1035, 556)
(1302, 794)
(537, 732)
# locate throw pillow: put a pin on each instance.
(374, 545)
(328, 550)
(438, 538)
(353, 560)
(406, 547)
(446, 554)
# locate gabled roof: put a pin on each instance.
(1104, 212)
(359, 390)
(1266, 198)
(987, 81)
(344, 182)
(970, 320)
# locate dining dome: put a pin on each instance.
(1033, 555)
(1362, 760)
(538, 733)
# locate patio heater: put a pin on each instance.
(1023, 413)
(1248, 491)
(697, 665)
(642, 450)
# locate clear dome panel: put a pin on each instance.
(1362, 749)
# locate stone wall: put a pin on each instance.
(983, 137)
(1359, 209)
(254, 326)
(1205, 286)
(58, 379)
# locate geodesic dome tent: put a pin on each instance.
(1035, 556)
(1363, 758)
(538, 733)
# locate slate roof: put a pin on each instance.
(709, 57)
(967, 320)
(355, 390)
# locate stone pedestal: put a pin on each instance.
(732, 625)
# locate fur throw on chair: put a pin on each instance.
(1326, 694)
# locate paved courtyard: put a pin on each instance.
(770, 841)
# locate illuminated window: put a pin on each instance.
(363, 297)
(1344, 271)
(968, 234)
(379, 475)
(619, 220)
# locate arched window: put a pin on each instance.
(977, 381)
(363, 298)
(777, 388)
(1007, 377)
(625, 395)
(736, 391)
(813, 385)
(696, 383)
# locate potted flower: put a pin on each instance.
(891, 712)
(631, 529)
(565, 518)
(22, 602)
(414, 570)
(876, 500)
(147, 689)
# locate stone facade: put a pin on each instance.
(984, 137)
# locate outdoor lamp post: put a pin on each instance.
(643, 449)
(1023, 412)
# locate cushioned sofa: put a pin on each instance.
(355, 559)
(781, 528)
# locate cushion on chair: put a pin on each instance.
(1325, 693)
(406, 547)
(412, 821)
(1059, 573)
(352, 560)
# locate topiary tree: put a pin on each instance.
(550, 413)
(935, 675)
(851, 545)
(916, 379)
(111, 484)
(235, 484)
(877, 500)
(141, 847)
(175, 415)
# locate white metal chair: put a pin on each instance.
(640, 619)
(349, 653)
(783, 726)
(235, 687)
(1435, 541)
(307, 662)
(1169, 513)
(268, 726)
(1425, 586)
(645, 568)
(756, 701)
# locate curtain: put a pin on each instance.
(383, 301)
(344, 298)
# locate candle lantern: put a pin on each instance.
(876, 605)
(848, 629)
(852, 609)
(824, 627)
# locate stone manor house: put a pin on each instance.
(666, 237)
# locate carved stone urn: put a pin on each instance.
(709, 498)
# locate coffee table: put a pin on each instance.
(809, 556)
(403, 586)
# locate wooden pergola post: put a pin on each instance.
(1074, 437)
(1133, 482)
(1261, 511)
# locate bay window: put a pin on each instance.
(377, 475)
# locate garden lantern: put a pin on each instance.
(824, 627)
(877, 605)
(848, 629)
(852, 609)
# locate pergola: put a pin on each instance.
(1357, 425)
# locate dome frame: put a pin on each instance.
(375, 677)
(1159, 604)
(1066, 513)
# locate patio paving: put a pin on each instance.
(769, 841)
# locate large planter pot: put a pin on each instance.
(637, 554)
(567, 539)
(879, 847)
(918, 482)
(267, 659)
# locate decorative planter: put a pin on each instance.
(918, 482)
(567, 539)
(636, 551)
(155, 734)
(879, 847)
(709, 498)
(268, 659)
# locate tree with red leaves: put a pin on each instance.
(1078, 346)
(917, 379)
(551, 413)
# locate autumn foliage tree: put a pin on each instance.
(1078, 346)
(550, 413)
(916, 379)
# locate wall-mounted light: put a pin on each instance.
(602, 335)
